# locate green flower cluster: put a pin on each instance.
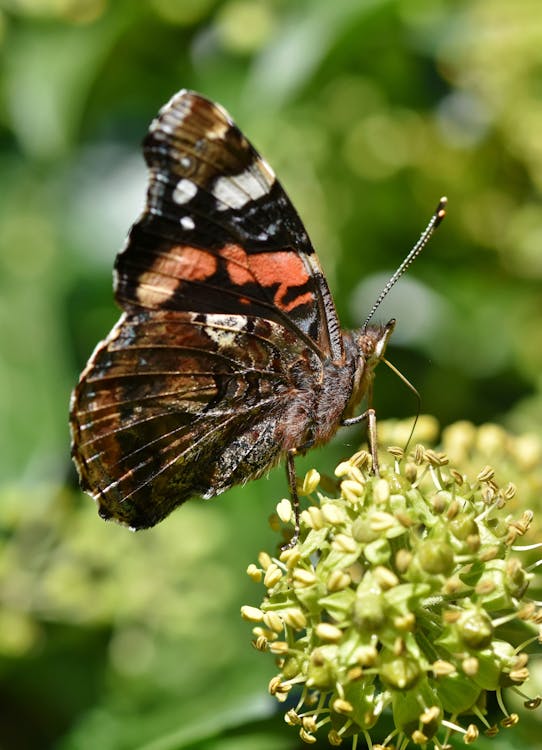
(402, 597)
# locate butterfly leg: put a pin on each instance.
(292, 484)
(370, 416)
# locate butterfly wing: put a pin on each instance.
(173, 405)
(228, 325)
(219, 233)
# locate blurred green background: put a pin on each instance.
(369, 111)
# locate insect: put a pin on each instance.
(228, 355)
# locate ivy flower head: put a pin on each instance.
(394, 602)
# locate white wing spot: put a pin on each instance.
(184, 191)
(225, 328)
(164, 127)
(237, 190)
(187, 222)
(218, 130)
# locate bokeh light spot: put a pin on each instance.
(244, 26)
(182, 12)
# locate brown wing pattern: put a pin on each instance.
(211, 373)
(219, 234)
(173, 405)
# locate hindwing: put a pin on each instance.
(173, 405)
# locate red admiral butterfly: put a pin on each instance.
(229, 354)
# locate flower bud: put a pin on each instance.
(435, 558)
(399, 672)
(475, 629)
(368, 613)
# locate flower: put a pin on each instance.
(395, 600)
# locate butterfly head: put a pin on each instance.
(372, 341)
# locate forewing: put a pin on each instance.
(219, 234)
(173, 405)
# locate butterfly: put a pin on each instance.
(228, 355)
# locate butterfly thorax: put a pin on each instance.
(330, 392)
(322, 393)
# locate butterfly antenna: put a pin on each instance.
(425, 236)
